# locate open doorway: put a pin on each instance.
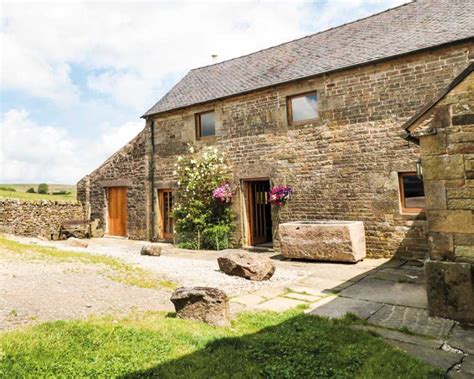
(259, 213)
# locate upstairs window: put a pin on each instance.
(205, 124)
(412, 193)
(302, 108)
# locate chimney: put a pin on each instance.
(214, 58)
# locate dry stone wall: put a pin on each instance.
(343, 166)
(36, 218)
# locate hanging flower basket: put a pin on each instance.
(279, 195)
(224, 193)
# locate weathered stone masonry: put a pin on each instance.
(446, 137)
(343, 166)
(128, 168)
(36, 218)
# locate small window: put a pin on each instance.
(302, 108)
(205, 125)
(412, 194)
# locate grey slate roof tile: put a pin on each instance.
(407, 28)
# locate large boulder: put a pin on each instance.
(210, 305)
(153, 250)
(252, 267)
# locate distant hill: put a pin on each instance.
(18, 191)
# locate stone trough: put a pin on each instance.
(323, 240)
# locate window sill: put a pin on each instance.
(304, 122)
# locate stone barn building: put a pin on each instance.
(323, 114)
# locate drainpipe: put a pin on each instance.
(152, 181)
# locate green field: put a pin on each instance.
(20, 192)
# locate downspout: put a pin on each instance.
(152, 181)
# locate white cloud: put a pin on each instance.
(64, 51)
(35, 153)
(134, 46)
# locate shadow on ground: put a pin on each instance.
(301, 347)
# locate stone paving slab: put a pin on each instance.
(300, 296)
(279, 304)
(339, 271)
(402, 337)
(326, 286)
(435, 357)
(468, 365)
(414, 319)
(336, 307)
(462, 337)
(308, 290)
(270, 293)
(459, 375)
(389, 292)
(401, 276)
(250, 300)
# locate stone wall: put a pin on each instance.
(446, 136)
(344, 165)
(36, 218)
(128, 167)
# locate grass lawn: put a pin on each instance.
(20, 192)
(267, 345)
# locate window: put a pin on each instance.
(302, 108)
(412, 194)
(205, 124)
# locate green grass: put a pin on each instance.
(20, 192)
(114, 269)
(145, 345)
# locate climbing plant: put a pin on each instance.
(201, 221)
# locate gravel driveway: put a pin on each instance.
(38, 291)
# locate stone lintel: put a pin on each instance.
(116, 183)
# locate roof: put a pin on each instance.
(408, 28)
(413, 120)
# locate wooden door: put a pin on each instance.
(166, 214)
(259, 212)
(117, 207)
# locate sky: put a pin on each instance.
(77, 76)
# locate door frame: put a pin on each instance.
(161, 216)
(248, 202)
(107, 201)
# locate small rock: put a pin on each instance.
(247, 266)
(207, 304)
(153, 250)
(75, 242)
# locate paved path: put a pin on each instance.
(391, 296)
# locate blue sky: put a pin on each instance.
(77, 76)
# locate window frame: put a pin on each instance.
(289, 108)
(197, 121)
(401, 191)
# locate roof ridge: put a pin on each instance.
(409, 2)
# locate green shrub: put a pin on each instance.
(9, 189)
(201, 222)
(216, 237)
(31, 190)
(43, 188)
(62, 192)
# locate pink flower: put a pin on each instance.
(224, 193)
(278, 195)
